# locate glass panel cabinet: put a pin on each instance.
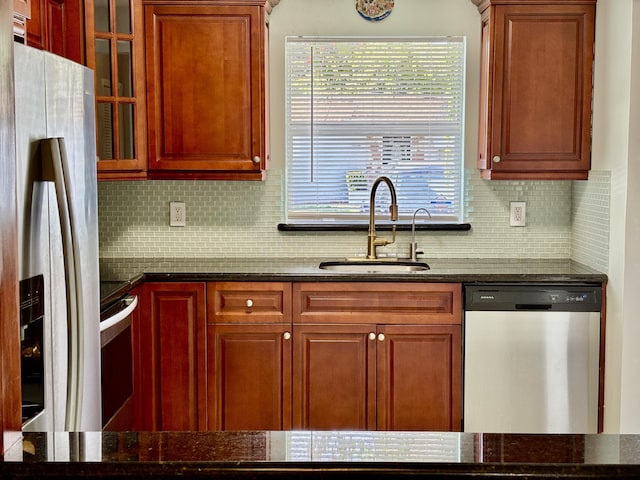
(114, 35)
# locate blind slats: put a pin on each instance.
(361, 108)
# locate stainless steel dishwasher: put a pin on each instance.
(531, 358)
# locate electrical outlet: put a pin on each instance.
(177, 214)
(518, 214)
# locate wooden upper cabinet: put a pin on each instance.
(114, 46)
(206, 84)
(52, 25)
(536, 89)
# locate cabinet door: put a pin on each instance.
(56, 26)
(115, 51)
(419, 377)
(249, 378)
(539, 105)
(172, 340)
(206, 90)
(334, 377)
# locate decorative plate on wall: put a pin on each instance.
(374, 10)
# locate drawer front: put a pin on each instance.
(388, 303)
(249, 302)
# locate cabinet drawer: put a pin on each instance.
(388, 303)
(249, 302)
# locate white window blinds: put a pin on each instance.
(361, 108)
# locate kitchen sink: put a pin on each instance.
(375, 266)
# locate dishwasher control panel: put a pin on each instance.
(499, 297)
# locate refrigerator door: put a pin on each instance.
(35, 243)
(71, 116)
(68, 114)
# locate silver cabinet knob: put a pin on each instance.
(496, 159)
(381, 337)
(256, 159)
(249, 303)
(286, 335)
(372, 336)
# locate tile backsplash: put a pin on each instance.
(590, 210)
(239, 219)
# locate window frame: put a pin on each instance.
(414, 129)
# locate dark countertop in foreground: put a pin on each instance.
(297, 454)
(306, 269)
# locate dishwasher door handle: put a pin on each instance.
(533, 306)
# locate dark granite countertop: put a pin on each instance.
(306, 269)
(298, 454)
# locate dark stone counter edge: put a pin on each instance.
(139, 279)
(373, 277)
(270, 470)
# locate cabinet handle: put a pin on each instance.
(372, 336)
(496, 159)
(286, 335)
(381, 337)
(256, 159)
(249, 303)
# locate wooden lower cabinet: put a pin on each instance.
(171, 346)
(249, 355)
(419, 377)
(334, 377)
(377, 356)
(278, 356)
(249, 377)
(377, 377)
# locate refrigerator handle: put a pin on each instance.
(55, 169)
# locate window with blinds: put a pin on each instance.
(359, 108)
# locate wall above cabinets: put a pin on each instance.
(536, 89)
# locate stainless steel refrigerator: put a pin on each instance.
(58, 242)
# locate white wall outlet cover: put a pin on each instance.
(518, 214)
(177, 214)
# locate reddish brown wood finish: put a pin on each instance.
(172, 339)
(334, 377)
(249, 302)
(249, 379)
(122, 168)
(603, 345)
(249, 376)
(382, 303)
(377, 356)
(419, 378)
(206, 80)
(10, 402)
(536, 90)
(118, 412)
(57, 26)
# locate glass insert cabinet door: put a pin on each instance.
(114, 40)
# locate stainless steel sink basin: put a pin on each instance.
(375, 266)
